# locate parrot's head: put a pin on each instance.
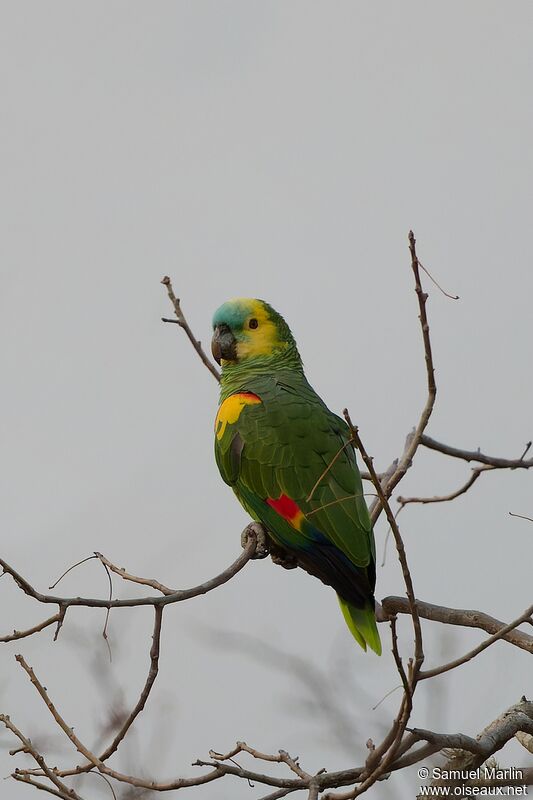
(250, 332)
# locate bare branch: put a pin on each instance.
(63, 789)
(30, 631)
(177, 596)
(419, 653)
(431, 278)
(152, 675)
(24, 778)
(517, 718)
(219, 770)
(397, 658)
(95, 761)
(182, 322)
(374, 508)
(66, 572)
(282, 757)
(403, 501)
(524, 617)
(154, 584)
(459, 616)
(497, 463)
(381, 757)
(520, 516)
(400, 747)
(313, 791)
(150, 680)
(476, 455)
(526, 740)
(408, 455)
(278, 794)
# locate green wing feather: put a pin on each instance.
(291, 444)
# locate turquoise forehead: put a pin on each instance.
(233, 313)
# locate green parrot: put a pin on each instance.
(290, 461)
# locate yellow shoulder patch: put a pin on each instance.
(230, 410)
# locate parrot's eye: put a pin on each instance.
(253, 323)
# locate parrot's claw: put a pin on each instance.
(282, 558)
(259, 533)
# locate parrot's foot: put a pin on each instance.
(259, 533)
(282, 557)
(381, 614)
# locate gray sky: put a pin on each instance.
(280, 150)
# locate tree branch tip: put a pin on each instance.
(520, 516)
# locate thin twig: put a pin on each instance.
(61, 615)
(380, 758)
(431, 673)
(328, 467)
(182, 322)
(139, 706)
(397, 657)
(152, 675)
(176, 597)
(219, 769)
(23, 777)
(477, 455)
(39, 759)
(419, 653)
(387, 694)
(447, 497)
(66, 572)
(159, 587)
(278, 794)
(431, 278)
(282, 757)
(407, 457)
(106, 780)
(30, 631)
(387, 537)
(340, 500)
(520, 516)
(108, 611)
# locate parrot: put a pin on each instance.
(290, 460)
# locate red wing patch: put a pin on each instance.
(287, 509)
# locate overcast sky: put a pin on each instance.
(280, 150)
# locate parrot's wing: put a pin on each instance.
(287, 444)
(291, 463)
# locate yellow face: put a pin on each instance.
(260, 336)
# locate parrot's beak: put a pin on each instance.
(223, 344)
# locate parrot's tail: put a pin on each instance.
(362, 624)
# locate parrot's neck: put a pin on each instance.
(236, 377)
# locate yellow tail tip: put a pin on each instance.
(362, 625)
